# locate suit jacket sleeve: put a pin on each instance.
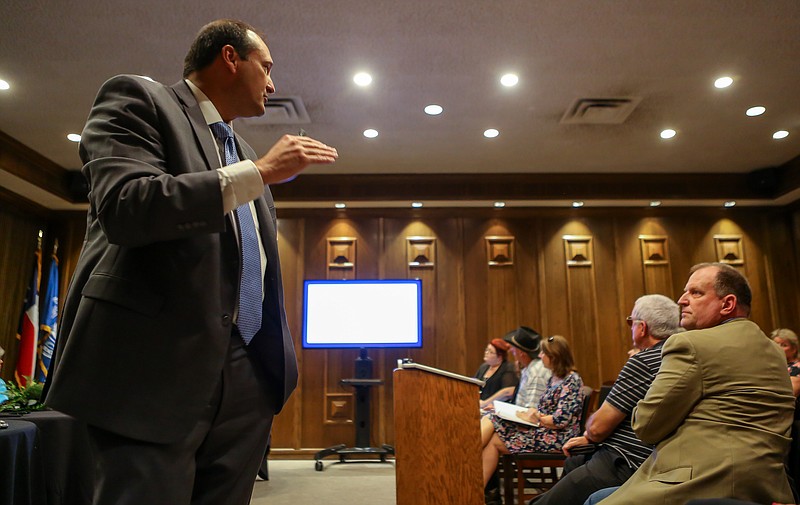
(677, 388)
(140, 194)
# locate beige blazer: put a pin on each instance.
(719, 413)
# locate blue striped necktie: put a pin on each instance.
(250, 297)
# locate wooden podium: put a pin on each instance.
(437, 437)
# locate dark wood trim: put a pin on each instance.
(392, 187)
(19, 205)
(519, 212)
(27, 164)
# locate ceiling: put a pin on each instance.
(666, 54)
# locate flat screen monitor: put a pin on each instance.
(362, 313)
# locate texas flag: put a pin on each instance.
(29, 326)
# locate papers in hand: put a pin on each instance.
(508, 411)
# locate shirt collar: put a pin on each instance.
(210, 112)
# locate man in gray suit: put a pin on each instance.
(720, 409)
(173, 345)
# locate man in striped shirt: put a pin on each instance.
(653, 319)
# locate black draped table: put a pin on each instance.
(20, 465)
(45, 459)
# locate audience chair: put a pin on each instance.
(604, 390)
(537, 470)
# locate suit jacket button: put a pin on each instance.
(226, 320)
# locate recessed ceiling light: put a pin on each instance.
(729, 204)
(655, 203)
(723, 82)
(577, 204)
(416, 205)
(339, 205)
(756, 111)
(4, 85)
(433, 109)
(370, 133)
(74, 137)
(491, 133)
(780, 134)
(509, 80)
(499, 205)
(362, 79)
(668, 133)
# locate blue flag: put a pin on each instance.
(48, 328)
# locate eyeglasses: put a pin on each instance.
(489, 351)
(630, 320)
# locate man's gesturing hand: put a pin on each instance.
(290, 156)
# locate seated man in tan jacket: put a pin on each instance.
(720, 409)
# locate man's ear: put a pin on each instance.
(230, 57)
(729, 304)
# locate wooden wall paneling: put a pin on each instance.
(394, 265)
(756, 264)
(737, 242)
(609, 350)
(450, 331)
(527, 271)
(427, 273)
(730, 249)
(392, 254)
(352, 253)
(630, 286)
(341, 254)
(581, 301)
(612, 341)
(476, 319)
(20, 235)
(313, 434)
(70, 229)
(318, 373)
(545, 294)
(781, 272)
(420, 254)
(555, 318)
(339, 401)
(500, 250)
(655, 261)
(501, 286)
(691, 242)
(286, 432)
(430, 293)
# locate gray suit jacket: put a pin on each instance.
(719, 413)
(147, 318)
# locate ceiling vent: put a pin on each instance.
(600, 110)
(281, 110)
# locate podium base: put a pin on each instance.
(343, 452)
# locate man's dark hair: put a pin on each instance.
(729, 281)
(212, 38)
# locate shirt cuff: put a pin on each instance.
(240, 183)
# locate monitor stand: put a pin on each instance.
(362, 383)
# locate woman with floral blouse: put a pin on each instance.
(558, 413)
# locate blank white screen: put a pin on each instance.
(368, 314)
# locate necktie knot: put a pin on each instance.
(221, 130)
(224, 133)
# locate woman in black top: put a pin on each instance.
(496, 370)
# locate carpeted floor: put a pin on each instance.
(293, 482)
